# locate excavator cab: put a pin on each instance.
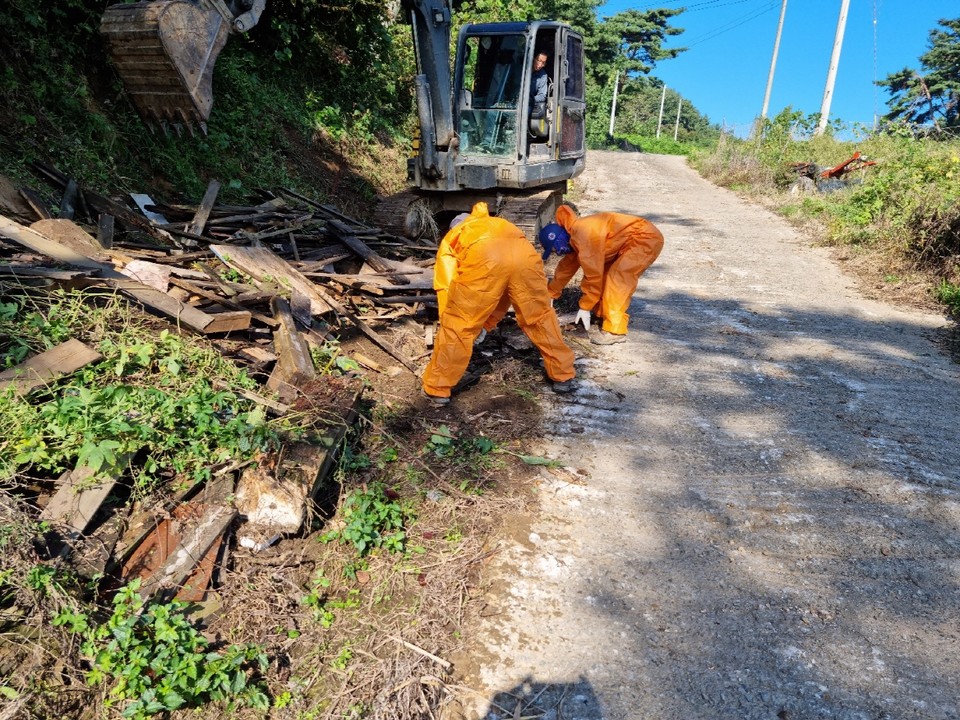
(497, 115)
(481, 138)
(165, 50)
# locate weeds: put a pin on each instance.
(373, 519)
(949, 294)
(156, 661)
(152, 394)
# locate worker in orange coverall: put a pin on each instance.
(485, 265)
(614, 250)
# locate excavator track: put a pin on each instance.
(530, 212)
(412, 215)
(164, 52)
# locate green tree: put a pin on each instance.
(629, 46)
(638, 113)
(930, 96)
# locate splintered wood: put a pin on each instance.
(268, 283)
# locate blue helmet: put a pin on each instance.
(554, 238)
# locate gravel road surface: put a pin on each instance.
(763, 514)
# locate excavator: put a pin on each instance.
(481, 137)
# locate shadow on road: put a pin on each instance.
(531, 699)
(799, 474)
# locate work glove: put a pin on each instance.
(583, 316)
(481, 337)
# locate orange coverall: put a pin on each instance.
(484, 265)
(614, 250)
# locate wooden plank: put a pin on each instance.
(69, 200)
(254, 214)
(79, 495)
(61, 360)
(294, 362)
(36, 203)
(203, 212)
(300, 307)
(301, 223)
(229, 321)
(225, 287)
(153, 299)
(105, 230)
(407, 299)
(194, 544)
(257, 354)
(19, 270)
(264, 266)
(150, 274)
(71, 235)
(200, 292)
(92, 555)
(11, 200)
(122, 213)
(276, 408)
(380, 264)
(373, 335)
(179, 312)
(354, 282)
(368, 362)
(272, 496)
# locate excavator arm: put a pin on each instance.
(165, 50)
(430, 21)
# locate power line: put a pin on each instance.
(735, 23)
(706, 5)
(713, 5)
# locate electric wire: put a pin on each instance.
(713, 5)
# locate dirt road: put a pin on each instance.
(767, 520)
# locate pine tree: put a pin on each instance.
(930, 96)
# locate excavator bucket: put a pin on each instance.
(164, 51)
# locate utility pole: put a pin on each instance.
(832, 74)
(663, 96)
(773, 61)
(613, 107)
(676, 127)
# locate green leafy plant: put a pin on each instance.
(372, 519)
(316, 599)
(949, 294)
(442, 443)
(153, 393)
(156, 661)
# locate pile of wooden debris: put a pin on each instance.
(265, 282)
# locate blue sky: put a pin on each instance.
(724, 72)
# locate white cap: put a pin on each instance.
(458, 219)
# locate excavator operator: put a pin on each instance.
(484, 265)
(539, 86)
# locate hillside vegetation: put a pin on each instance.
(318, 97)
(897, 219)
